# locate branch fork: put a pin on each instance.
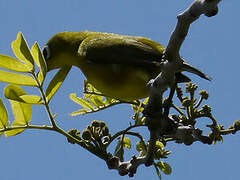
(159, 122)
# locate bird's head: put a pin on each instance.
(61, 50)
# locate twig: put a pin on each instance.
(123, 132)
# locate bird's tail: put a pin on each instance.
(187, 67)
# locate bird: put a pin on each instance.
(119, 66)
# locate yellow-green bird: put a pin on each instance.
(119, 66)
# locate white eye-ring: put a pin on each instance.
(46, 52)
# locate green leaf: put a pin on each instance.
(22, 52)
(3, 115)
(165, 167)
(8, 62)
(97, 101)
(138, 108)
(16, 93)
(109, 100)
(127, 142)
(89, 88)
(41, 77)
(79, 112)
(158, 172)
(21, 111)
(14, 78)
(83, 102)
(14, 132)
(32, 99)
(39, 59)
(56, 82)
(145, 101)
(23, 115)
(159, 145)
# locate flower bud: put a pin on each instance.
(204, 94)
(96, 123)
(237, 125)
(186, 102)
(105, 131)
(86, 135)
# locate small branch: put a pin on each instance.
(150, 151)
(44, 127)
(198, 7)
(83, 144)
(51, 117)
(177, 109)
(125, 132)
(199, 102)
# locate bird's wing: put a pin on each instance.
(119, 49)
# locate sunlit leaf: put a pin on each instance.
(97, 101)
(159, 145)
(14, 132)
(92, 100)
(41, 77)
(127, 142)
(23, 115)
(158, 172)
(14, 78)
(165, 167)
(140, 107)
(22, 52)
(16, 93)
(3, 115)
(21, 111)
(39, 59)
(79, 112)
(88, 87)
(83, 102)
(145, 101)
(32, 99)
(56, 82)
(109, 100)
(8, 62)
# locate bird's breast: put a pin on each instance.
(118, 81)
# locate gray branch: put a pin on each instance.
(158, 122)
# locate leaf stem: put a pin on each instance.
(45, 102)
(199, 102)
(83, 144)
(45, 127)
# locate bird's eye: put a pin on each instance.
(46, 52)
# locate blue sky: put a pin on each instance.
(212, 45)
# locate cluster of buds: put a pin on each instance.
(235, 127)
(74, 133)
(97, 132)
(191, 105)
